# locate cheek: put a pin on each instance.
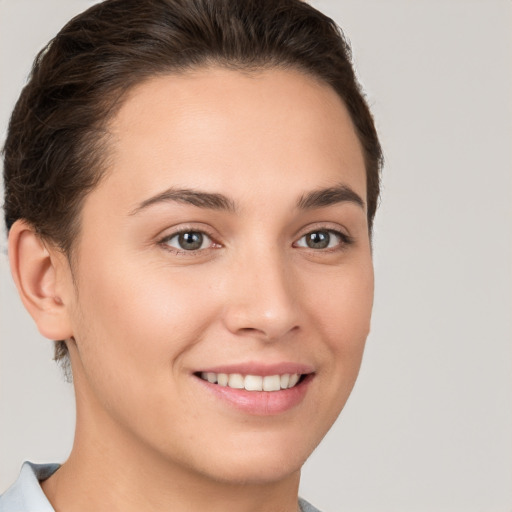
(346, 306)
(343, 316)
(142, 318)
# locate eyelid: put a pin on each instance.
(323, 226)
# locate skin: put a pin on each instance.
(142, 318)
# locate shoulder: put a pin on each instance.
(26, 495)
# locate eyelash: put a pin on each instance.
(344, 241)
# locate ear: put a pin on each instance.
(43, 278)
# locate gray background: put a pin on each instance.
(429, 425)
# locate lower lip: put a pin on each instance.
(261, 403)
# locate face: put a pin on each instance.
(224, 277)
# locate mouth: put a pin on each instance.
(257, 390)
(270, 383)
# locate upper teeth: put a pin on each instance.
(252, 382)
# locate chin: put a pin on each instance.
(261, 461)
(256, 471)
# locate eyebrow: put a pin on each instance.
(211, 201)
(215, 201)
(329, 196)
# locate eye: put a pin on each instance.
(322, 239)
(188, 241)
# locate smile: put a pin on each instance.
(257, 389)
(252, 382)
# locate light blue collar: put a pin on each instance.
(26, 495)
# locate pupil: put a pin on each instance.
(191, 240)
(318, 240)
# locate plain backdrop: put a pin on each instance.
(429, 424)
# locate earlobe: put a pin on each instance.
(38, 274)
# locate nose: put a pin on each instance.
(262, 299)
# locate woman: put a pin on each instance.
(189, 192)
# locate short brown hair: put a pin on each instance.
(55, 147)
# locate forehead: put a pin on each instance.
(217, 128)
